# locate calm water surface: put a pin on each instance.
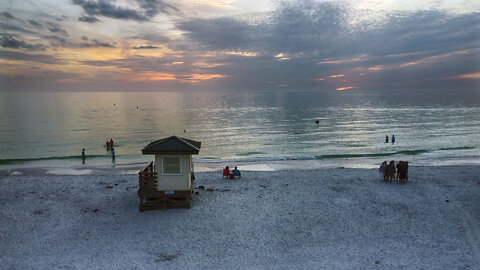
(431, 128)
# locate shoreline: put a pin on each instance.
(200, 167)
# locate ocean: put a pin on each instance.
(432, 127)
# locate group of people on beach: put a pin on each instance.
(231, 175)
(393, 138)
(387, 172)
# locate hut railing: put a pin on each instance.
(147, 178)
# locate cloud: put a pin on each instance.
(219, 33)
(299, 43)
(40, 58)
(316, 39)
(88, 19)
(9, 27)
(57, 41)
(147, 10)
(154, 7)
(96, 43)
(57, 29)
(107, 9)
(145, 47)
(35, 23)
(7, 15)
(8, 41)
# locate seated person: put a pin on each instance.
(226, 172)
(236, 172)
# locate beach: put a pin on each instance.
(331, 218)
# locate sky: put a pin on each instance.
(157, 45)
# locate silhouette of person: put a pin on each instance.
(113, 155)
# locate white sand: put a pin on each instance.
(311, 219)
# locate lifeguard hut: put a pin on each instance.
(168, 183)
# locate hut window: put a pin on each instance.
(172, 165)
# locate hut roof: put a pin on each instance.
(172, 145)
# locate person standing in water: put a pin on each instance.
(393, 138)
(386, 138)
(113, 155)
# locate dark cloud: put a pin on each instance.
(9, 27)
(145, 47)
(40, 58)
(107, 9)
(7, 15)
(150, 64)
(154, 7)
(307, 33)
(35, 23)
(154, 37)
(96, 43)
(219, 33)
(57, 41)
(8, 41)
(57, 29)
(148, 10)
(88, 19)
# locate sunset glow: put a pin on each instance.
(470, 76)
(235, 44)
(345, 88)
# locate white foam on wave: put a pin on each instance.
(16, 173)
(66, 171)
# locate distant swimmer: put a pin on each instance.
(317, 121)
(393, 138)
(108, 145)
(113, 154)
(83, 156)
(386, 139)
(111, 143)
(137, 108)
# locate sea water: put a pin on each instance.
(432, 127)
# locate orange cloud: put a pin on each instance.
(469, 76)
(152, 76)
(341, 61)
(205, 76)
(438, 58)
(246, 54)
(345, 88)
(375, 68)
(196, 78)
(282, 56)
(337, 76)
